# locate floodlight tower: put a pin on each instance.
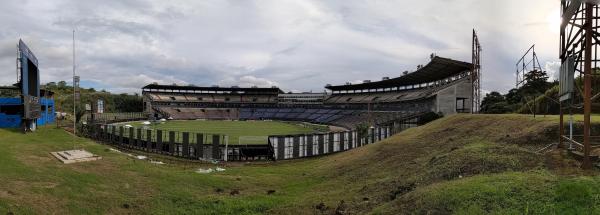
(579, 43)
(529, 62)
(476, 73)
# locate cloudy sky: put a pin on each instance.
(298, 45)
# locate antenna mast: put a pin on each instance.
(74, 89)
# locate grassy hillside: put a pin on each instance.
(63, 95)
(460, 164)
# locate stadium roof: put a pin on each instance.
(438, 68)
(275, 90)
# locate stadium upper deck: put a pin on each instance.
(443, 85)
(438, 71)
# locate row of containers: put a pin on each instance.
(215, 147)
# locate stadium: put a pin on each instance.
(253, 123)
(230, 137)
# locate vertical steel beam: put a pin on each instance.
(587, 103)
(561, 127)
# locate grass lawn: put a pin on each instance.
(595, 118)
(33, 182)
(479, 167)
(258, 130)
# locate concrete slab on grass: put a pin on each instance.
(75, 156)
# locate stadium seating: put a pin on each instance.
(381, 97)
(209, 98)
(390, 96)
(200, 113)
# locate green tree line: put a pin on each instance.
(113, 103)
(537, 95)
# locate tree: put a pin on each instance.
(513, 96)
(51, 85)
(62, 85)
(536, 82)
(494, 103)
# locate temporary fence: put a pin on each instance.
(188, 145)
(309, 145)
(202, 146)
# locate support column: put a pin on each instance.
(561, 128)
(587, 89)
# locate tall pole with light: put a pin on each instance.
(74, 89)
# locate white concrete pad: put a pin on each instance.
(75, 156)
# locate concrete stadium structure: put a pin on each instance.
(442, 86)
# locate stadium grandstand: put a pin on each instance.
(442, 86)
(301, 98)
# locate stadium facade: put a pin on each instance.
(443, 86)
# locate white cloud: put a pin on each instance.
(553, 70)
(295, 44)
(247, 81)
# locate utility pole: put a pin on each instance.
(74, 89)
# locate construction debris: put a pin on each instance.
(75, 156)
(204, 171)
(157, 162)
(209, 170)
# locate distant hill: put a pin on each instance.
(112, 102)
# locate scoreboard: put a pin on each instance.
(29, 81)
(33, 109)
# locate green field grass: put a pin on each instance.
(483, 166)
(257, 130)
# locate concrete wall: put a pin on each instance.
(446, 98)
(147, 104)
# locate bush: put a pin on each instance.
(428, 117)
